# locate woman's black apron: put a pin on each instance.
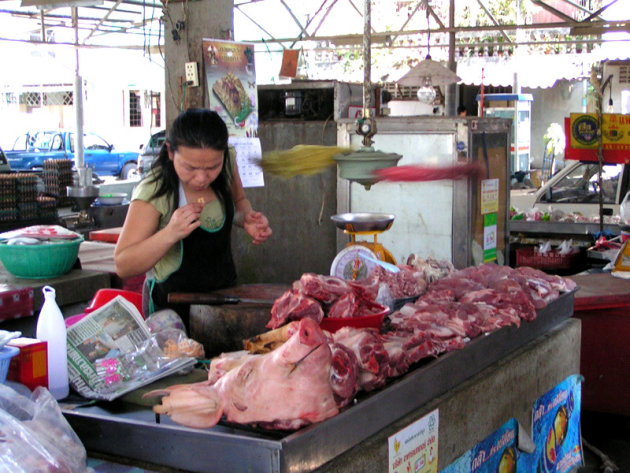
(206, 265)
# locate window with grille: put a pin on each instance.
(624, 74)
(8, 98)
(31, 99)
(135, 108)
(63, 97)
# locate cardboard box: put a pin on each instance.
(15, 302)
(30, 366)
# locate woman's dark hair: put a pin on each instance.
(193, 128)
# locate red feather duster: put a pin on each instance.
(417, 173)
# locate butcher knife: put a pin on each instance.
(212, 299)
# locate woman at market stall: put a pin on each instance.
(178, 225)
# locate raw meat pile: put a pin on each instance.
(317, 296)
(316, 373)
(467, 303)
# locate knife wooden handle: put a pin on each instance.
(201, 298)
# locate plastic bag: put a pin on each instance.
(624, 209)
(36, 437)
(174, 343)
(164, 319)
(566, 248)
(384, 296)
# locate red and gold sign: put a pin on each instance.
(581, 133)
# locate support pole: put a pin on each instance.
(78, 110)
(450, 100)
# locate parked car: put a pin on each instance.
(150, 151)
(575, 189)
(4, 163)
(30, 150)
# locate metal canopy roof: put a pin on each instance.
(103, 23)
(324, 27)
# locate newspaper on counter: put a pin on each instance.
(111, 352)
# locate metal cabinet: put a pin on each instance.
(440, 219)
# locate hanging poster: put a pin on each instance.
(498, 453)
(556, 429)
(231, 79)
(554, 446)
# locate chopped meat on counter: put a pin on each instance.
(294, 305)
(325, 289)
(370, 352)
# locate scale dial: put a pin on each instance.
(365, 128)
(353, 263)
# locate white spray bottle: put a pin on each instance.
(51, 327)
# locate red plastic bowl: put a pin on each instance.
(373, 320)
(103, 296)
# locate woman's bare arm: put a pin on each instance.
(141, 245)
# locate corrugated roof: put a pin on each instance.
(534, 71)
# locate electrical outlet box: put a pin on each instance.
(192, 78)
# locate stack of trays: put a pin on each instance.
(47, 208)
(26, 190)
(8, 198)
(57, 177)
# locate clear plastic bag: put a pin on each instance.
(164, 319)
(174, 343)
(624, 209)
(36, 437)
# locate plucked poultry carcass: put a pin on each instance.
(284, 389)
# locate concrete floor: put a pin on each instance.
(605, 435)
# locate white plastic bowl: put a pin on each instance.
(112, 199)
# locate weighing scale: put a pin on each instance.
(359, 258)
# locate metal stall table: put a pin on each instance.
(131, 432)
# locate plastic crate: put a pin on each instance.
(550, 260)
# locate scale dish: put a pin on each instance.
(363, 222)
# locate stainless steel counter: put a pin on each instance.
(559, 228)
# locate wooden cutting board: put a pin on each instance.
(222, 328)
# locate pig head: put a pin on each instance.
(284, 389)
